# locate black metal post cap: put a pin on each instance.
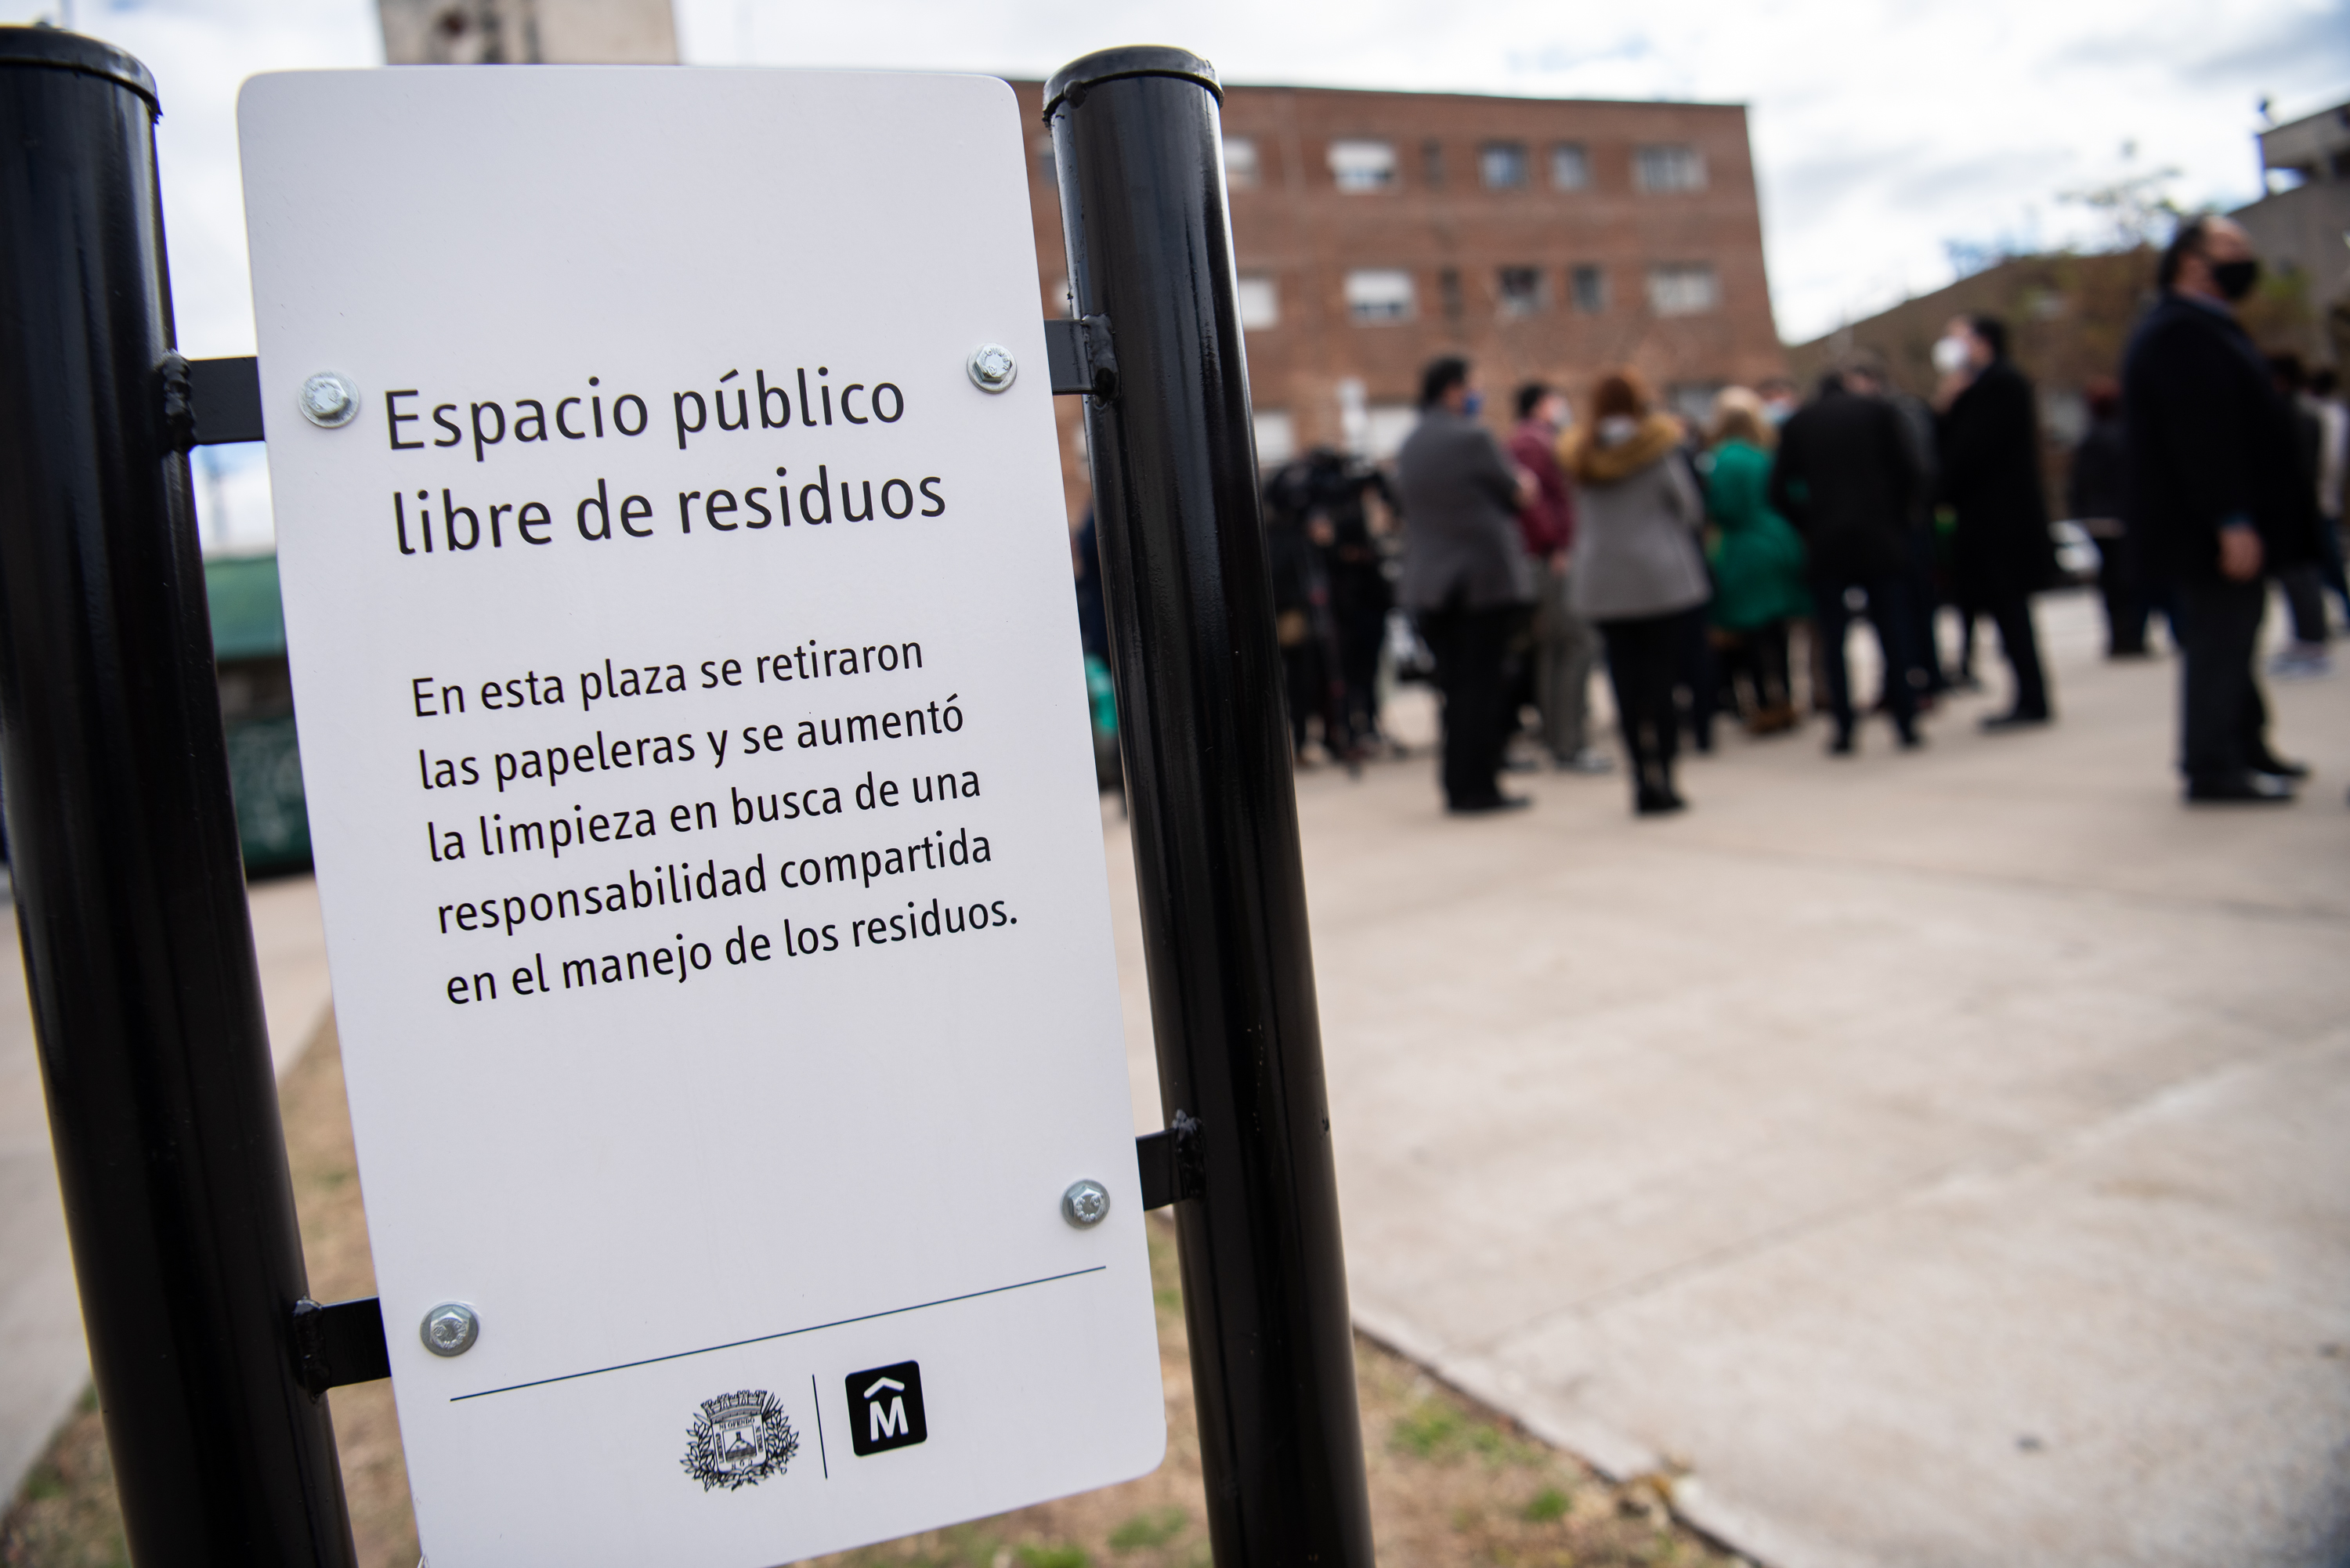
(61, 50)
(1073, 80)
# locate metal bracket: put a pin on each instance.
(340, 1343)
(211, 402)
(1081, 357)
(1171, 1166)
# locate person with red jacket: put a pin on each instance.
(1564, 646)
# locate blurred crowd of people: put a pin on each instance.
(1718, 569)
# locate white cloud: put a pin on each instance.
(1881, 128)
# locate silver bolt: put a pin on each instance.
(992, 367)
(450, 1329)
(329, 401)
(1085, 1204)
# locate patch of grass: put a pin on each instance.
(1153, 1529)
(1439, 1432)
(1432, 1430)
(1430, 1506)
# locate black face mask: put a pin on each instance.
(2235, 279)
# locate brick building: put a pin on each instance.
(1541, 238)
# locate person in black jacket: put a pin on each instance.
(2215, 493)
(2094, 498)
(1846, 478)
(1988, 437)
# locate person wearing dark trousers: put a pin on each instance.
(1636, 571)
(1867, 373)
(2303, 585)
(2093, 495)
(2325, 401)
(1846, 478)
(2215, 492)
(1465, 576)
(1988, 441)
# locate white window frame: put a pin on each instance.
(1664, 167)
(1276, 437)
(1574, 293)
(1244, 168)
(1531, 305)
(1379, 295)
(1363, 165)
(1260, 301)
(1385, 426)
(1684, 288)
(1519, 151)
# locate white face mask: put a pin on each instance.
(1951, 356)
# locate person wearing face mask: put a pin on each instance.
(2216, 491)
(1637, 572)
(1987, 438)
(1565, 646)
(1466, 579)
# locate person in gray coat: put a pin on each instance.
(1466, 580)
(1637, 570)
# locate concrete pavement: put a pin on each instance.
(43, 1363)
(1941, 1156)
(1933, 1159)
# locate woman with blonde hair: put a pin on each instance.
(1757, 556)
(1636, 570)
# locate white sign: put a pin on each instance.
(697, 754)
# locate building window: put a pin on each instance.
(1432, 163)
(1503, 165)
(1363, 165)
(1694, 400)
(1385, 425)
(1259, 303)
(1241, 168)
(1687, 289)
(1046, 169)
(1521, 290)
(1570, 166)
(1671, 166)
(1379, 294)
(1589, 286)
(1276, 437)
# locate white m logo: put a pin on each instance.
(878, 1425)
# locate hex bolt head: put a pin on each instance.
(992, 368)
(329, 401)
(450, 1329)
(1086, 1204)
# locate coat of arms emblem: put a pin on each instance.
(738, 1439)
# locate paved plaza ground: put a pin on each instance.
(1926, 1159)
(1946, 1157)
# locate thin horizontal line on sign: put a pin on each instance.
(785, 1333)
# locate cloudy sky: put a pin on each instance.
(1883, 129)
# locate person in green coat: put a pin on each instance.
(1758, 563)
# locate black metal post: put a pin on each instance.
(1136, 134)
(130, 892)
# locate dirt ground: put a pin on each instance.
(1452, 1483)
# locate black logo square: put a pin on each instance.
(885, 1408)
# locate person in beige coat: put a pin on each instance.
(1636, 570)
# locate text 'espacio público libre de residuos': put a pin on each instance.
(810, 420)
